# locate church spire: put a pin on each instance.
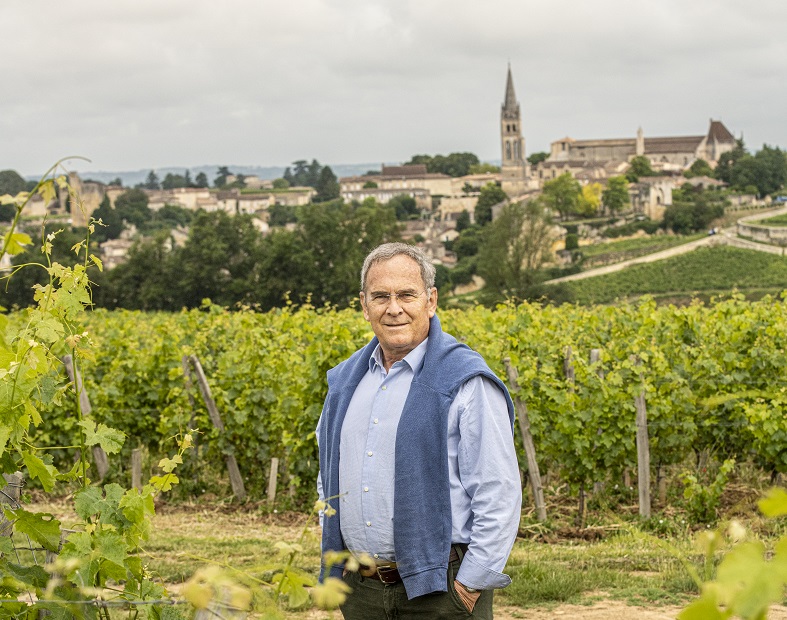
(510, 104)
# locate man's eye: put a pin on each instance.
(407, 297)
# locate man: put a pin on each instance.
(417, 457)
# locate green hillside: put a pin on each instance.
(705, 272)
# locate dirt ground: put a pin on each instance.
(604, 610)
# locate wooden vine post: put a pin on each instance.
(236, 480)
(99, 456)
(527, 439)
(643, 448)
(595, 358)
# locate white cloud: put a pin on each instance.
(145, 83)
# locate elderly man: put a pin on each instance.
(417, 457)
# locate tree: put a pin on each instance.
(692, 209)
(313, 173)
(454, 165)
(201, 180)
(132, 206)
(467, 244)
(370, 185)
(221, 176)
(172, 181)
(639, 166)
(338, 237)
(514, 247)
(280, 215)
(111, 220)
(404, 206)
(148, 280)
(536, 158)
(728, 161)
(491, 195)
(771, 169)
(117, 181)
(483, 168)
(698, 168)
(463, 221)
(217, 259)
(562, 194)
(288, 176)
(11, 182)
(766, 171)
(616, 195)
(171, 216)
(590, 200)
(327, 186)
(151, 182)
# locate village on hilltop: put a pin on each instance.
(441, 198)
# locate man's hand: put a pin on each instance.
(468, 598)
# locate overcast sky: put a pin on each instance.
(153, 83)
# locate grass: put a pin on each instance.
(704, 271)
(551, 566)
(637, 245)
(778, 220)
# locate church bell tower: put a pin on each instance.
(514, 167)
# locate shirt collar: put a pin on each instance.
(414, 358)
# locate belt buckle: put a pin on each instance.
(386, 574)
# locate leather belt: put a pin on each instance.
(389, 573)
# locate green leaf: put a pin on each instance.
(704, 608)
(110, 439)
(41, 527)
(97, 262)
(14, 242)
(36, 468)
(331, 593)
(88, 502)
(774, 504)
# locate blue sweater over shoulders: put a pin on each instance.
(422, 503)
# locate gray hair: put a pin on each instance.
(387, 251)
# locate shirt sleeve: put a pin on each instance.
(489, 474)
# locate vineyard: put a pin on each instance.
(705, 270)
(714, 379)
(93, 403)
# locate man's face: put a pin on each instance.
(400, 323)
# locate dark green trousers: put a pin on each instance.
(373, 600)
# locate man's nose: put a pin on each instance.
(393, 305)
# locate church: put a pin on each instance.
(598, 159)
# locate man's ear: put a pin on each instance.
(431, 303)
(362, 297)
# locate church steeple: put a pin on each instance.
(510, 104)
(513, 147)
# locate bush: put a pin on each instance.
(572, 241)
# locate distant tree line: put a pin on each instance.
(225, 258)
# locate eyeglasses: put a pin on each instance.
(402, 297)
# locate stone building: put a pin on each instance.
(514, 169)
(678, 152)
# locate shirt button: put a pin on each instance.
(385, 387)
(370, 453)
(368, 524)
(376, 420)
(376, 555)
(366, 489)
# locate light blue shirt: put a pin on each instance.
(483, 472)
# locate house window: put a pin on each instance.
(508, 150)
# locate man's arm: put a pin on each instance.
(489, 474)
